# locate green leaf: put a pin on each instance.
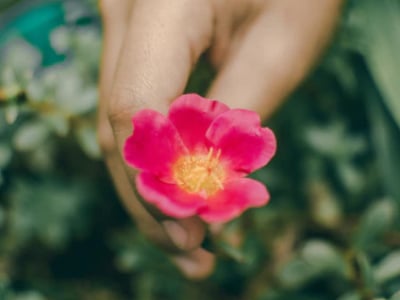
(388, 268)
(381, 27)
(21, 57)
(350, 296)
(60, 39)
(316, 257)
(31, 135)
(375, 221)
(365, 270)
(386, 138)
(5, 155)
(334, 141)
(396, 296)
(323, 257)
(295, 274)
(128, 260)
(29, 295)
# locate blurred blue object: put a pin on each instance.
(33, 21)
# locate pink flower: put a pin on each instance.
(193, 161)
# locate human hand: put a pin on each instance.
(261, 48)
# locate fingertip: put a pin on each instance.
(196, 265)
(186, 234)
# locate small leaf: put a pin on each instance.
(381, 26)
(128, 260)
(59, 39)
(333, 141)
(295, 274)
(351, 177)
(365, 270)
(323, 257)
(30, 135)
(388, 268)
(30, 295)
(21, 56)
(317, 257)
(72, 95)
(375, 221)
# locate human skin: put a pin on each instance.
(261, 50)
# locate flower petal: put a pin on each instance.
(243, 142)
(155, 143)
(192, 115)
(237, 195)
(168, 198)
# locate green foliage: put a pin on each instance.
(331, 230)
(381, 28)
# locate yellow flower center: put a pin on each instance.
(200, 173)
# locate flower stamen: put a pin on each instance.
(200, 173)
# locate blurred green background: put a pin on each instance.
(331, 230)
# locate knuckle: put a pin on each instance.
(123, 104)
(105, 138)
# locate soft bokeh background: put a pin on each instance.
(331, 231)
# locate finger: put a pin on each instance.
(196, 264)
(156, 59)
(115, 21)
(270, 59)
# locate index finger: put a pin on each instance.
(155, 62)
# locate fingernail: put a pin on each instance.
(177, 233)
